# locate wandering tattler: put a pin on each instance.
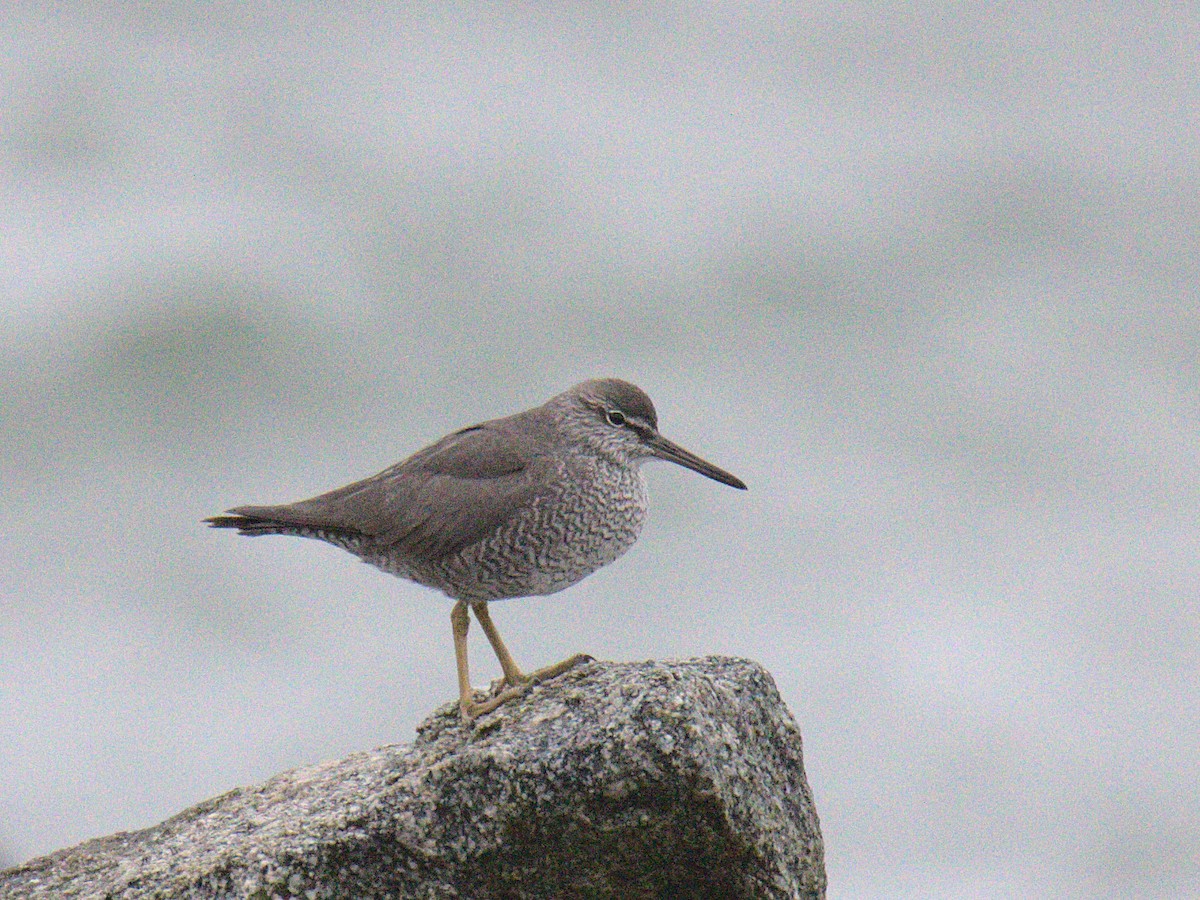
(515, 507)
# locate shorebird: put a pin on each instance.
(515, 507)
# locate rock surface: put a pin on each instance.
(657, 779)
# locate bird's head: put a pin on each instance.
(617, 419)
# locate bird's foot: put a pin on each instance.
(502, 684)
(545, 674)
(502, 689)
(472, 710)
(522, 681)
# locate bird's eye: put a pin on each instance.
(615, 417)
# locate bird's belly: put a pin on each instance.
(550, 566)
(552, 544)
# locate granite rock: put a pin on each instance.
(656, 779)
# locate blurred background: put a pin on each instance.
(925, 276)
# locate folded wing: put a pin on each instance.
(438, 501)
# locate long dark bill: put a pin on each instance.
(672, 452)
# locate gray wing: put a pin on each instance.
(436, 502)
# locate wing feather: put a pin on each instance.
(438, 501)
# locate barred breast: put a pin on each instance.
(583, 520)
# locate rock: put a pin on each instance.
(656, 779)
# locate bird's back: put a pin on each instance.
(501, 509)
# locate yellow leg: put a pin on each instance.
(460, 624)
(512, 672)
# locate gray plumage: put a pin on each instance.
(524, 505)
(520, 506)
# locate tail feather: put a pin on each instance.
(255, 521)
(251, 525)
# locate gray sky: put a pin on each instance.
(924, 276)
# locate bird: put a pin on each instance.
(520, 506)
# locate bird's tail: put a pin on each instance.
(255, 521)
